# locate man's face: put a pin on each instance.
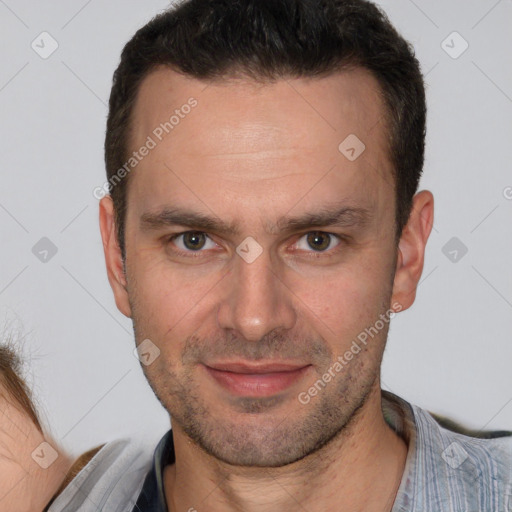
(243, 333)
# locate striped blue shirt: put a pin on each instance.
(445, 471)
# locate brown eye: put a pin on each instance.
(194, 240)
(318, 240)
(192, 244)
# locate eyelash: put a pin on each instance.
(313, 254)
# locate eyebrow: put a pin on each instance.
(341, 216)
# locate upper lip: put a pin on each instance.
(242, 367)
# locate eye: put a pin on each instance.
(189, 242)
(319, 241)
(192, 241)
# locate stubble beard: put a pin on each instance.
(270, 439)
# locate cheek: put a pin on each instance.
(19, 437)
(337, 307)
(343, 302)
(168, 302)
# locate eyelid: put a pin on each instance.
(172, 237)
(327, 252)
(189, 253)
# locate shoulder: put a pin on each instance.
(466, 469)
(110, 481)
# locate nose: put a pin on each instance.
(257, 301)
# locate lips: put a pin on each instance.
(256, 380)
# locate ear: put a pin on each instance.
(411, 249)
(113, 258)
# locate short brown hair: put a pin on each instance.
(263, 40)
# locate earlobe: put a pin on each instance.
(113, 257)
(411, 249)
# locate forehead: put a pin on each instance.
(341, 101)
(241, 137)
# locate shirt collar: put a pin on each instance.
(397, 413)
(152, 496)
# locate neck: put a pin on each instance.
(360, 469)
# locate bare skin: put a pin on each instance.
(25, 485)
(250, 155)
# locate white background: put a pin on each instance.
(450, 353)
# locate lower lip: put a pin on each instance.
(256, 384)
